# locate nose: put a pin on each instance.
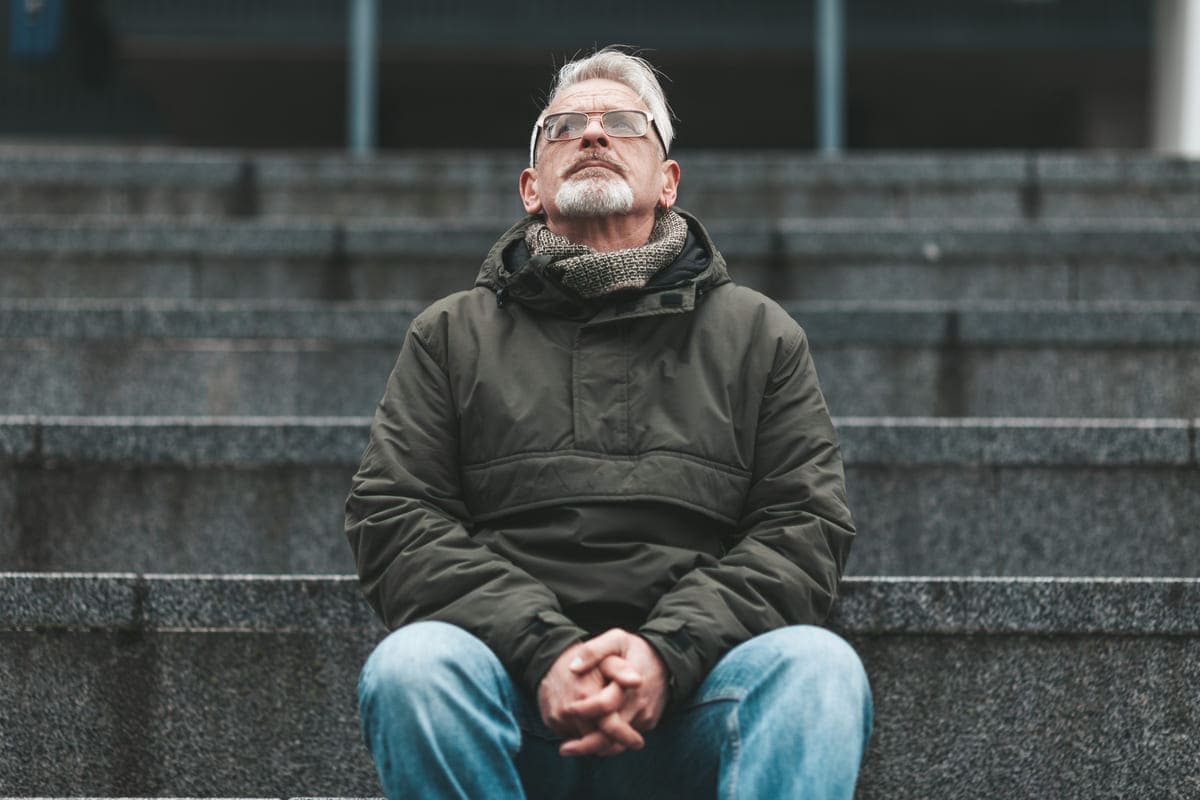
(593, 134)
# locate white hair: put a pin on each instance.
(614, 64)
(594, 197)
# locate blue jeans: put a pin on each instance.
(786, 714)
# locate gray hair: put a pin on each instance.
(614, 64)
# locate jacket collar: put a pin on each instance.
(515, 276)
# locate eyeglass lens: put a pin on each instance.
(572, 124)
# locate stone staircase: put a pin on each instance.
(193, 343)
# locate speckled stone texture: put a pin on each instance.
(201, 442)
(308, 358)
(1032, 717)
(200, 378)
(1000, 442)
(175, 519)
(930, 497)
(182, 183)
(187, 686)
(938, 285)
(1021, 381)
(195, 714)
(408, 259)
(244, 686)
(1043, 521)
(98, 321)
(123, 182)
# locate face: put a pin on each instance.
(597, 174)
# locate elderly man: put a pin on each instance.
(603, 506)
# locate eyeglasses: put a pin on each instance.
(620, 124)
(626, 123)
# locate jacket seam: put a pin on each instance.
(536, 454)
(419, 337)
(625, 438)
(560, 499)
(794, 346)
(575, 356)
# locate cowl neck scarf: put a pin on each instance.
(591, 274)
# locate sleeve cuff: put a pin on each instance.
(555, 633)
(684, 663)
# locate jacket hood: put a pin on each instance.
(514, 274)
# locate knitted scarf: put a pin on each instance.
(591, 274)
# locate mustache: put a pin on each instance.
(578, 163)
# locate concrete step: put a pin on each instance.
(730, 185)
(930, 496)
(128, 684)
(1152, 259)
(875, 359)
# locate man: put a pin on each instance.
(603, 505)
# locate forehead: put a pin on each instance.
(596, 94)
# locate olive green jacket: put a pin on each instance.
(542, 468)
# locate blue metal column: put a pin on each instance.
(362, 76)
(831, 76)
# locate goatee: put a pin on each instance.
(594, 197)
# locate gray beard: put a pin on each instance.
(594, 197)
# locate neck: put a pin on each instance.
(605, 234)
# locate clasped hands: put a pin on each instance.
(599, 695)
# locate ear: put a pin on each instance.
(670, 184)
(529, 191)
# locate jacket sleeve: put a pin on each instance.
(793, 538)
(406, 522)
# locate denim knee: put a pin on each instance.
(436, 712)
(802, 661)
(816, 648)
(817, 664)
(815, 651)
(423, 657)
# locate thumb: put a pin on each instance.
(621, 671)
(593, 651)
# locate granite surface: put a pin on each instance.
(446, 184)
(965, 261)
(1130, 170)
(933, 323)
(900, 441)
(191, 441)
(898, 240)
(1071, 689)
(98, 320)
(1025, 521)
(998, 381)
(137, 713)
(157, 357)
(994, 442)
(107, 164)
(18, 438)
(267, 519)
(866, 605)
(272, 377)
(143, 682)
(1017, 497)
(59, 601)
(1019, 716)
(87, 236)
(209, 378)
(1017, 605)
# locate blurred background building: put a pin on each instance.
(942, 74)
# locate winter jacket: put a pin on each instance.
(542, 468)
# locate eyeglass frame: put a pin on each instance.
(540, 126)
